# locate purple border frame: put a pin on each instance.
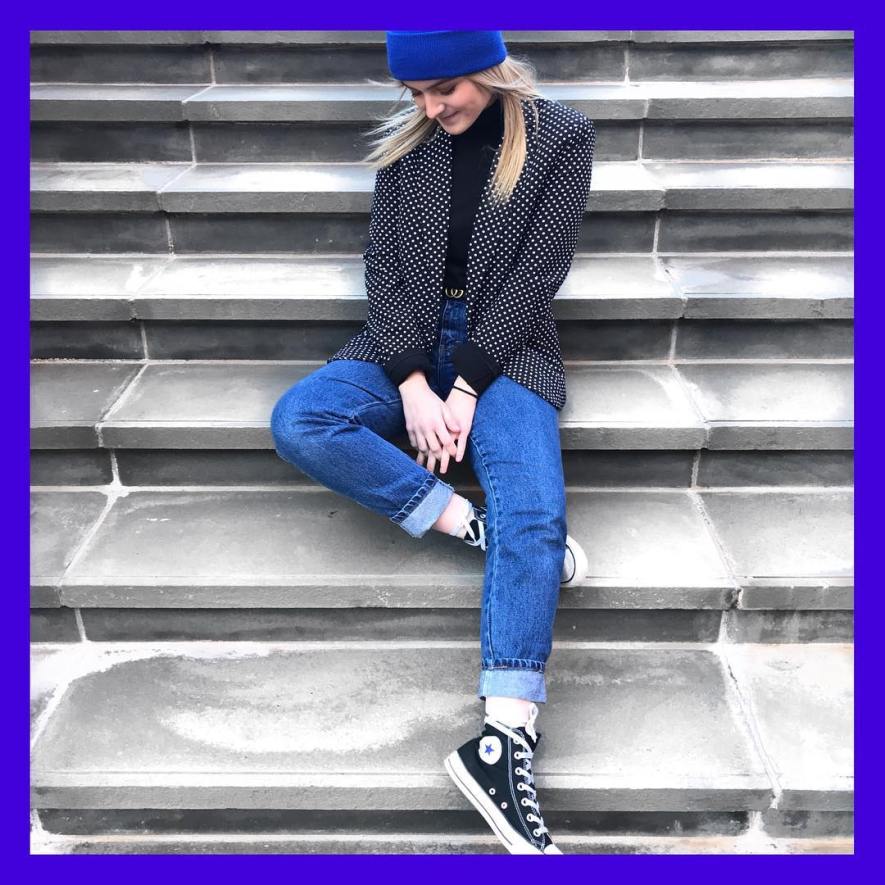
(519, 15)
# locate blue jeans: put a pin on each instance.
(336, 425)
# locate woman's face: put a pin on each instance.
(454, 102)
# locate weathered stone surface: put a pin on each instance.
(643, 729)
(59, 521)
(106, 187)
(788, 549)
(238, 549)
(764, 287)
(762, 405)
(802, 698)
(69, 399)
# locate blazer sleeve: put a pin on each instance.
(543, 264)
(391, 321)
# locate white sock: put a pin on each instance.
(460, 530)
(509, 711)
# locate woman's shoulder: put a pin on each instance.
(560, 122)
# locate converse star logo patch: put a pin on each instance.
(490, 749)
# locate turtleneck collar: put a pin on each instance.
(487, 128)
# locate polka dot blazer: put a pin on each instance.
(519, 254)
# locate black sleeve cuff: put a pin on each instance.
(402, 364)
(477, 367)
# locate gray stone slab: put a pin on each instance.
(69, 399)
(786, 543)
(809, 138)
(173, 64)
(630, 407)
(803, 824)
(773, 468)
(764, 339)
(785, 287)
(88, 287)
(212, 405)
(382, 624)
(817, 625)
(642, 729)
(803, 405)
(237, 549)
(723, 231)
(123, 142)
(106, 187)
(87, 340)
(781, 186)
(116, 38)
(59, 521)
(736, 36)
(53, 625)
(103, 232)
(50, 669)
(257, 822)
(659, 59)
(802, 699)
(99, 102)
(70, 468)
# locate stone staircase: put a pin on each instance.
(228, 658)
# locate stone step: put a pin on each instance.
(285, 563)
(718, 120)
(319, 56)
(642, 404)
(750, 286)
(629, 728)
(334, 188)
(431, 843)
(316, 208)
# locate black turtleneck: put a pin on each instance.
(472, 153)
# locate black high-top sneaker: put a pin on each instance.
(494, 772)
(574, 564)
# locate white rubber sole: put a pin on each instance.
(508, 837)
(582, 566)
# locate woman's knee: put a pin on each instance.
(290, 421)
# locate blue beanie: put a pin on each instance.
(429, 55)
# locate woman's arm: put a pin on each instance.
(543, 264)
(391, 321)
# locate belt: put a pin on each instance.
(451, 292)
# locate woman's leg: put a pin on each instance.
(516, 455)
(336, 424)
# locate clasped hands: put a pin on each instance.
(437, 428)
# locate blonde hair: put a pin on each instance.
(513, 80)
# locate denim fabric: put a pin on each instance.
(336, 425)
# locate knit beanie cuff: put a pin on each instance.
(429, 55)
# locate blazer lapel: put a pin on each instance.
(490, 220)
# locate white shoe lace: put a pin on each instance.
(478, 540)
(527, 782)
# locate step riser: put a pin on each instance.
(348, 143)
(579, 340)
(349, 63)
(601, 469)
(235, 822)
(319, 234)
(290, 625)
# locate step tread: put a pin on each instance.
(648, 405)
(347, 187)
(237, 548)
(252, 725)
(819, 97)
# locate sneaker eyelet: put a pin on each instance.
(503, 805)
(520, 786)
(524, 801)
(491, 791)
(536, 833)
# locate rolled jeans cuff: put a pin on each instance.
(425, 507)
(530, 685)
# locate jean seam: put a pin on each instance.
(491, 527)
(367, 406)
(514, 664)
(415, 500)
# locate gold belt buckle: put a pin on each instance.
(453, 293)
